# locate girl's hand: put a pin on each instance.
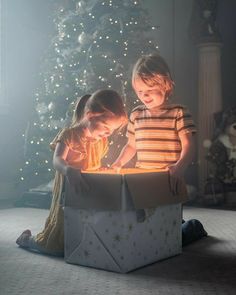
(76, 180)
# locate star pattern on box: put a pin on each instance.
(132, 245)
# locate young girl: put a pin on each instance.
(79, 147)
(159, 132)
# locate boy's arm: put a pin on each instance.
(186, 156)
(127, 153)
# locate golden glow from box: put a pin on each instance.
(123, 171)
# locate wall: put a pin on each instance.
(28, 28)
(227, 26)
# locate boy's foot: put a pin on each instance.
(23, 239)
(192, 230)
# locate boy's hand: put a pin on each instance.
(76, 180)
(103, 169)
(175, 172)
(116, 166)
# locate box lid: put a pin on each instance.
(150, 190)
(104, 192)
(147, 188)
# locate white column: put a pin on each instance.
(209, 101)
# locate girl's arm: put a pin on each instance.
(127, 153)
(59, 158)
(72, 174)
(186, 156)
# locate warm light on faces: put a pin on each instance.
(152, 97)
(100, 127)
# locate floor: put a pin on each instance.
(207, 266)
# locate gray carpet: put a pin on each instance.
(206, 267)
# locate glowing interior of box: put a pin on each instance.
(124, 171)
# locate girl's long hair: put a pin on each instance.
(79, 109)
(104, 102)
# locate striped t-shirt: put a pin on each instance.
(156, 134)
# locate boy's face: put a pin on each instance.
(152, 97)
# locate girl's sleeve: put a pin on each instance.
(184, 122)
(62, 136)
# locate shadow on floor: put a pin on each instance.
(199, 262)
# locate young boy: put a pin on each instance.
(159, 132)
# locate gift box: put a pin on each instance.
(123, 221)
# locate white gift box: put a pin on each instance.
(124, 221)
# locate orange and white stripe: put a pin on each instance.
(156, 134)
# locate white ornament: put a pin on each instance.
(51, 106)
(84, 38)
(80, 7)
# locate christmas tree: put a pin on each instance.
(95, 46)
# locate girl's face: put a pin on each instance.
(99, 127)
(152, 97)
